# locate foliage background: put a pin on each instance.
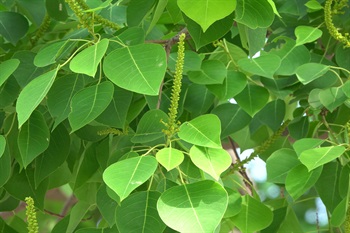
(126, 116)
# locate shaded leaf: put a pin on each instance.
(138, 213)
(88, 103)
(252, 98)
(308, 72)
(264, 65)
(13, 26)
(7, 68)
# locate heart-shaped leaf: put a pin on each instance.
(88, 103)
(265, 65)
(332, 97)
(306, 34)
(87, 61)
(252, 98)
(211, 160)
(169, 158)
(7, 68)
(308, 72)
(138, 68)
(126, 175)
(13, 26)
(316, 157)
(202, 131)
(138, 213)
(206, 12)
(187, 208)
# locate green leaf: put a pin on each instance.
(214, 32)
(299, 127)
(54, 156)
(33, 138)
(7, 68)
(138, 213)
(233, 84)
(202, 131)
(5, 167)
(186, 208)
(291, 57)
(252, 39)
(252, 98)
(305, 144)
(116, 112)
(308, 72)
(306, 34)
(169, 158)
(279, 164)
(150, 126)
(339, 214)
(265, 65)
(52, 53)
(346, 88)
(125, 176)
(13, 26)
(106, 205)
(249, 14)
(342, 56)
(2, 145)
(100, 7)
(299, 180)
(332, 97)
(211, 160)
(145, 69)
(316, 157)
(314, 5)
(206, 12)
(87, 61)
(161, 5)
(33, 94)
(327, 185)
(61, 94)
(192, 61)
(57, 9)
(77, 213)
(212, 72)
(198, 99)
(137, 11)
(247, 220)
(88, 103)
(271, 115)
(232, 118)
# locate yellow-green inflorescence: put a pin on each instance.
(328, 14)
(173, 124)
(31, 216)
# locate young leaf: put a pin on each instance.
(206, 12)
(138, 213)
(169, 158)
(7, 68)
(247, 220)
(138, 68)
(306, 34)
(202, 131)
(33, 94)
(316, 157)
(89, 103)
(299, 180)
(126, 175)
(33, 138)
(186, 208)
(87, 61)
(211, 160)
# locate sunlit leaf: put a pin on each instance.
(7, 68)
(306, 34)
(316, 157)
(125, 176)
(169, 158)
(196, 207)
(308, 72)
(206, 12)
(202, 131)
(211, 160)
